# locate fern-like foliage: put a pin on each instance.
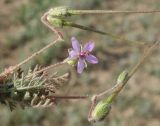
(31, 89)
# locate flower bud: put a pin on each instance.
(71, 62)
(100, 111)
(122, 77)
(61, 11)
(56, 22)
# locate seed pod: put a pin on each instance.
(100, 111)
(122, 77)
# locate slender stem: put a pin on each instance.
(46, 68)
(37, 53)
(76, 12)
(46, 23)
(11, 69)
(147, 53)
(119, 87)
(122, 38)
(68, 97)
(107, 91)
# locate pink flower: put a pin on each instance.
(82, 54)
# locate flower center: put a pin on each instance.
(83, 54)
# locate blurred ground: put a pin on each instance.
(22, 33)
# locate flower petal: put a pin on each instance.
(88, 46)
(92, 59)
(73, 54)
(81, 65)
(75, 44)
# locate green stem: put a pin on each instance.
(120, 86)
(145, 56)
(77, 12)
(121, 38)
(65, 11)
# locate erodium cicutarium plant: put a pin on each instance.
(37, 88)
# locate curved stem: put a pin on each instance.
(118, 87)
(10, 70)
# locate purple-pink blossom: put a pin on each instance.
(82, 54)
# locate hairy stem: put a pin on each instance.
(119, 87)
(68, 97)
(76, 12)
(10, 70)
(121, 38)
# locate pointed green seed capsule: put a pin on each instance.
(122, 77)
(100, 111)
